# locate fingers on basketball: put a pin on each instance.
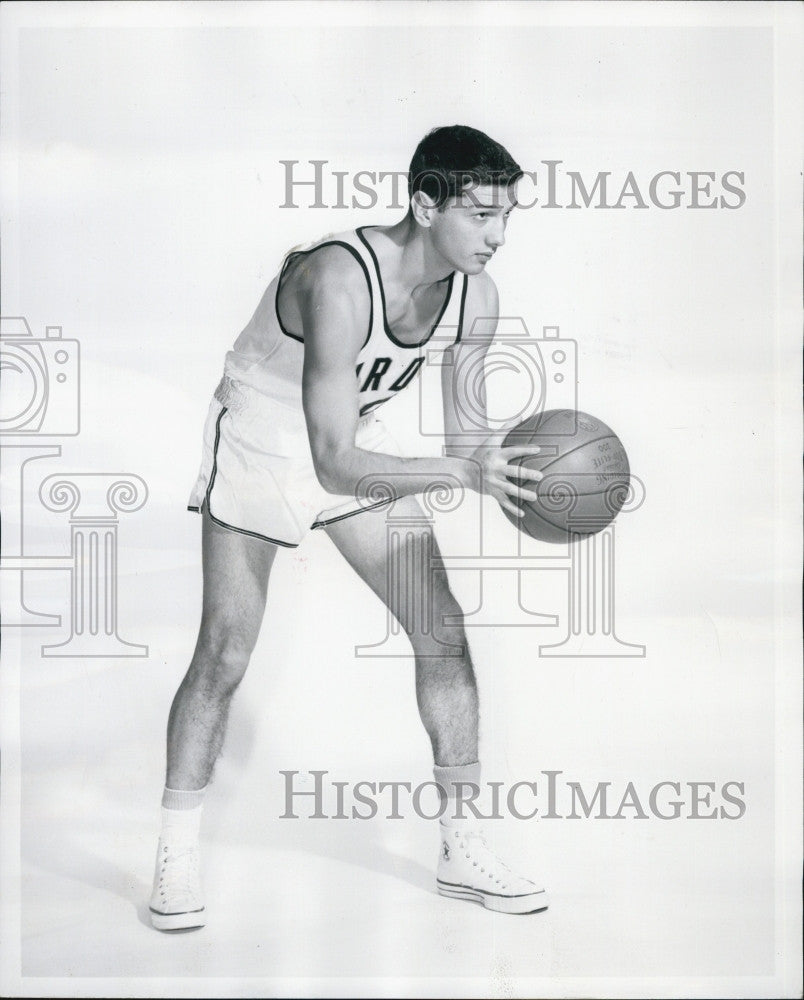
(523, 472)
(512, 508)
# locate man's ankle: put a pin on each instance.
(181, 815)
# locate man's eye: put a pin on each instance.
(481, 215)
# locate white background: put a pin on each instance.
(141, 193)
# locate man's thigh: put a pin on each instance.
(236, 569)
(397, 555)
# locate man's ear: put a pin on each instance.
(423, 208)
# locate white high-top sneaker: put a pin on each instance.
(468, 869)
(176, 901)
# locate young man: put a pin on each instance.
(292, 443)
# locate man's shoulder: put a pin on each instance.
(332, 262)
(480, 310)
(482, 298)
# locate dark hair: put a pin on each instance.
(453, 157)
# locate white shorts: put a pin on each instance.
(257, 474)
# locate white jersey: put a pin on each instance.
(269, 358)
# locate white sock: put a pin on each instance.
(454, 784)
(181, 815)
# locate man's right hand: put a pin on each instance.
(492, 471)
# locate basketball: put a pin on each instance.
(585, 475)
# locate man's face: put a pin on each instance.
(470, 227)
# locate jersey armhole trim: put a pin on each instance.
(388, 332)
(463, 304)
(300, 253)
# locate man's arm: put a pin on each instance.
(334, 307)
(463, 389)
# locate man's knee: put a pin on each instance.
(441, 623)
(222, 656)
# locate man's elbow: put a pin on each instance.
(323, 470)
(328, 466)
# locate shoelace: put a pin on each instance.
(178, 873)
(473, 842)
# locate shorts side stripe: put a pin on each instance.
(351, 513)
(252, 534)
(223, 524)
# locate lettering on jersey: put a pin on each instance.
(378, 369)
(407, 375)
(380, 366)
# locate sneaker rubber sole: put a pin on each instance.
(531, 902)
(178, 921)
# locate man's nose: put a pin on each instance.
(496, 237)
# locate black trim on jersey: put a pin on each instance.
(351, 513)
(463, 303)
(287, 333)
(388, 331)
(299, 253)
(223, 524)
(370, 406)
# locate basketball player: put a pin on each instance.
(293, 443)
